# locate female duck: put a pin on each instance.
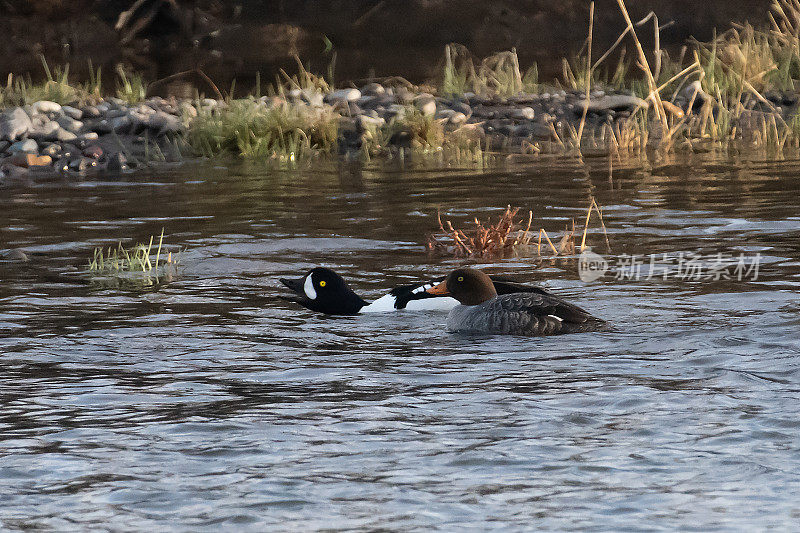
(533, 314)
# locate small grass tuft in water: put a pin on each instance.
(138, 258)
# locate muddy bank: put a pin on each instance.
(231, 40)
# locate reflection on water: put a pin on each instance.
(205, 401)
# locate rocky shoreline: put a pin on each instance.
(112, 136)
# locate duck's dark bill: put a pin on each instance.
(294, 284)
(439, 290)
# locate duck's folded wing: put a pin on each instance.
(503, 285)
(406, 293)
(540, 314)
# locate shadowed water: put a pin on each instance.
(203, 401)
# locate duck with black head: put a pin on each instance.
(323, 290)
(482, 310)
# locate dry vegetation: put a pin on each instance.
(503, 237)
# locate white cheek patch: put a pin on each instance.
(308, 288)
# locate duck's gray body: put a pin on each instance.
(523, 314)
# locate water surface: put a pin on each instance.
(203, 401)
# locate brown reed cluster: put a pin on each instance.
(504, 236)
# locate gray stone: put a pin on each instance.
(14, 124)
(426, 104)
(88, 137)
(72, 112)
(90, 111)
(164, 123)
(365, 122)
(69, 123)
(28, 146)
(45, 106)
(373, 89)
(404, 96)
(62, 135)
(45, 131)
(120, 124)
(53, 150)
(81, 164)
(15, 254)
(522, 113)
(616, 102)
(117, 162)
(457, 118)
(343, 95)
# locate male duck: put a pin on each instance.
(483, 310)
(323, 290)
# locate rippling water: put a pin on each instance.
(203, 401)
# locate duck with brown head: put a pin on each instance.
(482, 310)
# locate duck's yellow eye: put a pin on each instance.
(323, 283)
(460, 278)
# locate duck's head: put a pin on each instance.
(323, 290)
(467, 285)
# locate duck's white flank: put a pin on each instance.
(308, 288)
(386, 303)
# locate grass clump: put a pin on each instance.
(496, 75)
(139, 258)
(250, 128)
(22, 90)
(131, 87)
(504, 236)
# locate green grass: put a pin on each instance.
(131, 87)
(250, 129)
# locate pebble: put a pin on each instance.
(90, 111)
(615, 102)
(81, 164)
(45, 106)
(62, 135)
(88, 137)
(117, 162)
(69, 123)
(343, 95)
(94, 152)
(373, 89)
(426, 104)
(52, 150)
(15, 254)
(120, 124)
(72, 112)
(365, 122)
(523, 113)
(164, 123)
(27, 160)
(458, 118)
(14, 124)
(28, 146)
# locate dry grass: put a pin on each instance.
(501, 238)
